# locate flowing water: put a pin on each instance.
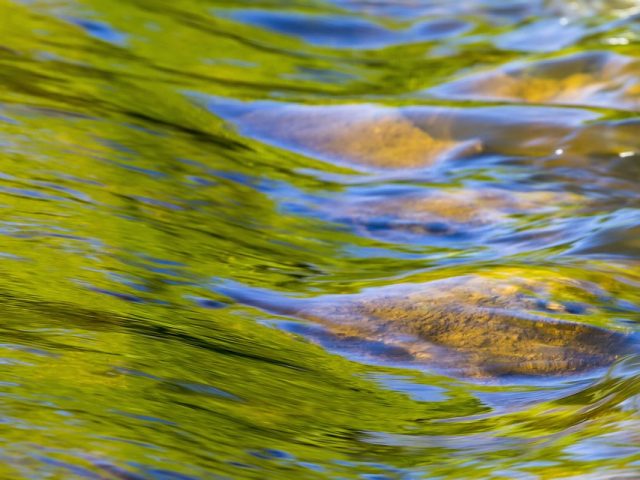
(309, 239)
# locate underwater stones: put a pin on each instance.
(441, 212)
(594, 78)
(353, 134)
(471, 325)
(383, 138)
(617, 139)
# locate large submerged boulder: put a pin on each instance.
(363, 135)
(471, 326)
(380, 138)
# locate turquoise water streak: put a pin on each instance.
(348, 239)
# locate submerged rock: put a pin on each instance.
(472, 326)
(448, 213)
(383, 138)
(594, 78)
(358, 134)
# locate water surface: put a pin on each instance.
(176, 175)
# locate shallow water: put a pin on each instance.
(214, 214)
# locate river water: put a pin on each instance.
(215, 216)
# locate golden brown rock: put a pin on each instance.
(376, 137)
(385, 138)
(473, 326)
(594, 78)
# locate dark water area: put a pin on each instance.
(338, 239)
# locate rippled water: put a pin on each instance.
(365, 239)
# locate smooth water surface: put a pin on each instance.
(216, 214)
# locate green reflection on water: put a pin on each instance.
(124, 200)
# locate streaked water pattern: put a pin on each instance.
(176, 175)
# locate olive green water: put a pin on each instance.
(175, 175)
